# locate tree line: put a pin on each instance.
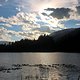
(44, 43)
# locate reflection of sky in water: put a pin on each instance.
(10, 58)
(37, 58)
(55, 66)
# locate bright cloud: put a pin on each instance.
(33, 24)
(27, 15)
(3, 35)
(39, 5)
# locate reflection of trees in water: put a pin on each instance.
(40, 72)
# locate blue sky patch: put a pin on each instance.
(71, 23)
(15, 28)
(8, 10)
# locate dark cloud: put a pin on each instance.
(44, 14)
(60, 12)
(78, 9)
(78, 2)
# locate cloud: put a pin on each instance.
(64, 13)
(68, 17)
(3, 35)
(36, 5)
(32, 25)
(39, 5)
(78, 9)
(60, 12)
(26, 16)
(12, 7)
(78, 2)
(9, 35)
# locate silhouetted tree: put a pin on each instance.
(44, 43)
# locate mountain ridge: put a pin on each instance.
(67, 40)
(61, 33)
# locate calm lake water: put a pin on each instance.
(39, 66)
(37, 58)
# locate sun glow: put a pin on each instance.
(50, 20)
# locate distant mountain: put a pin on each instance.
(59, 34)
(67, 40)
(4, 42)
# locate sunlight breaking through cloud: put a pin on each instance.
(31, 20)
(32, 24)
(30, 5)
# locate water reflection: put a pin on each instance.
(36, 58)
(39, 66)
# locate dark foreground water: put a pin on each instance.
(39, 66)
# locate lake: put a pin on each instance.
(39, 66)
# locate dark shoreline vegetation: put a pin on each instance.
(67, 40)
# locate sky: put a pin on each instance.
(21, 19)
